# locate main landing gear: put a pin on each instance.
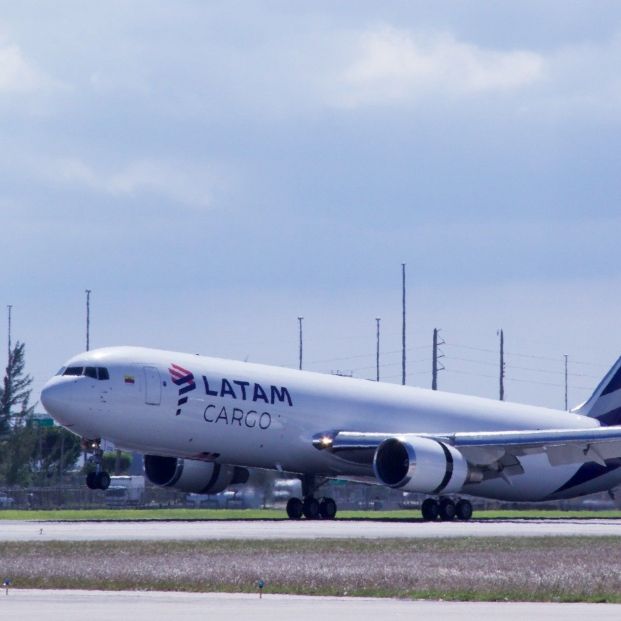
(98, 478)
(446, 509)
(310, 507)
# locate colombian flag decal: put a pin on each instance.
(129, 379)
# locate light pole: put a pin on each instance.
(566, 408)
(403, 324)
(88, 319)
(377, 349)
(300, 324)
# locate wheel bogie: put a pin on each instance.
(311, 508)
(446, 509)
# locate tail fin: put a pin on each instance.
(605, 403)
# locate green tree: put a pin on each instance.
(15, 391)
(17, 436)
(55, 449)
(111, 459)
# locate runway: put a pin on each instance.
(285, 529)
(152, 606)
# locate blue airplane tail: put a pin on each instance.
(605, 402)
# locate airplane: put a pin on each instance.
(202, 422)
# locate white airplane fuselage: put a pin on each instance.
(195, 407)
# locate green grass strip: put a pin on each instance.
(274, 514)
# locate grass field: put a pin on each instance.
(272, 514)
(565, 569)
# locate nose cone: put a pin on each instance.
(56, 398)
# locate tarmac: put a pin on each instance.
(286, 529)
(71, 605)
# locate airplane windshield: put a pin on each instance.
(73, 371)
(98, 373)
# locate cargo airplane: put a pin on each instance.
(202, 422)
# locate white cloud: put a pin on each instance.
(17, 75)
(187, 184)
(393, 66)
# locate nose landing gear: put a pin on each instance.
(98, 478)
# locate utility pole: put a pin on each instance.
(300, 322)
(88, 319)
(9, 366)
(502, 365)
(437, 354)
(403, 324)
(10, 308)
(565, 355)
(377, 349)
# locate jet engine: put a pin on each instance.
(419, 464)
(190, 475)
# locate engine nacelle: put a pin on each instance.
(190, 475)
(418, 464)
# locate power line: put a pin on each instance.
(386, 353)
(389, 364)
(519, 368)
(522, 355)
(514, 379)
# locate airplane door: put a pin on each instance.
(153, 392)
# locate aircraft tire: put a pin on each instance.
(102, 480)
(430, 509)
(294, 508)
(327, 508)
(91, 481)
(463, 510)
(310, 508)
(447, 510)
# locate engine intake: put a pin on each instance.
(418, 464)
(190, 475)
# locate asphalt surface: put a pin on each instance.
(152, 606)
(285, 529)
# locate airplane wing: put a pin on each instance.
(491, 449)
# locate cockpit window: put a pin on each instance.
(61, 371)
(73, 371)
(98, 373)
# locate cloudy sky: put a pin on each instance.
(213, 170)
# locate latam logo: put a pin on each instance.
(185, 380)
